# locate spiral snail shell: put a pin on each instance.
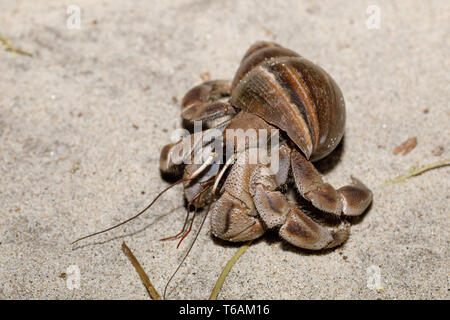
(293, 94)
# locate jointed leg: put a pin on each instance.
(186, 150)
(250, 203)
(296, 227)
(201, 102)
(196, 199)
(352, 200)
(233, 215)
(301, 231)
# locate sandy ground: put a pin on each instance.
(82, 122)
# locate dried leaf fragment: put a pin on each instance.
(144, 277)
(7, 44)
(205, 76)
(406, 146)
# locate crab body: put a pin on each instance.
(273, 89)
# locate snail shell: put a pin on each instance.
(293, 94)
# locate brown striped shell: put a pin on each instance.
(293, 94)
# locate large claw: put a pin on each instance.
(303, 232)
(230, 220)
(355, 198)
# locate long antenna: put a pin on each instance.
(134, 217)
(192, 176)
(188, 212)
(187, 253)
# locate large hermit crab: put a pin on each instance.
(273, 89)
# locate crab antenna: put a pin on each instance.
(192, 176)
(187, 253)
(190, 226)
(188, 213)
(134, 217)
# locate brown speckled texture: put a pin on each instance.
(83, 120)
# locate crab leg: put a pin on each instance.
(201, 102)
(296, 227)
(233, 215)
(301, 231)
(352, 200)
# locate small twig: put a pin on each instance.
(415, 172)
(226, 270)
(144, 277)
(7, 43)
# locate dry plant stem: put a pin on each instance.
(8, 47)
(144, 277)
(226, 270)
(415, 172)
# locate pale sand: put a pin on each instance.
(83, 120)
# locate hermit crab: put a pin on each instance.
(241, 172)
(253, 138)
(274, 90)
